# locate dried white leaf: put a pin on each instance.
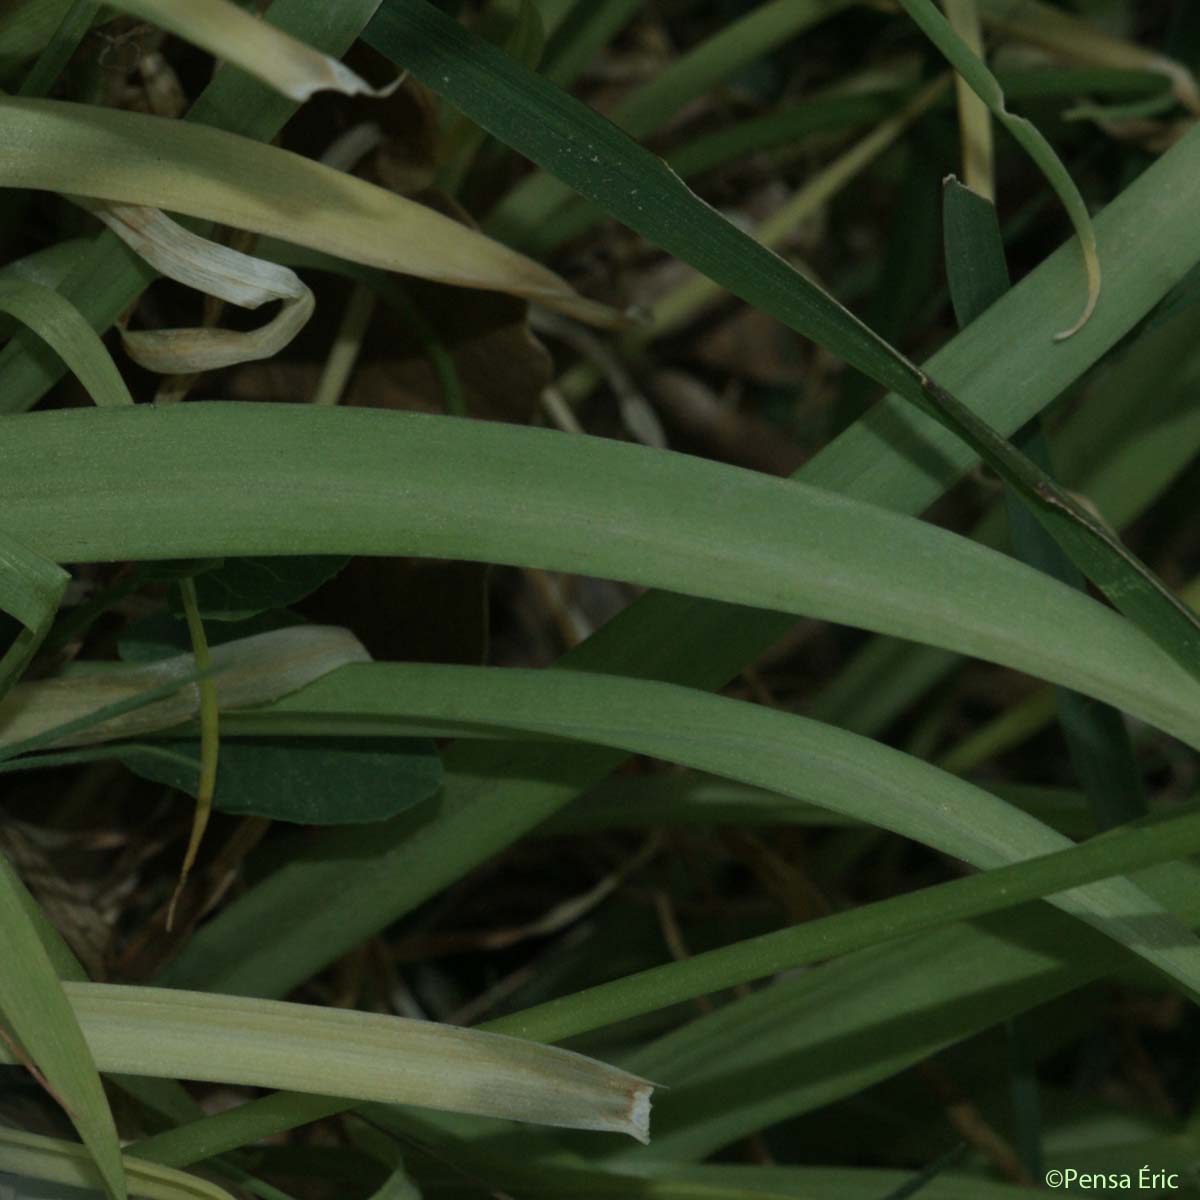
(216, 270)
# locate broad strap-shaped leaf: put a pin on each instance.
(319, 907)
(38, 1028)
(363, 1056)
(567, 138)
(750, 744)
(441, 487)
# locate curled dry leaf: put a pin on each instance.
(132, 158)
(218, 271)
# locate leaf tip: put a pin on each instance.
(639, 1111)
(1093, 271)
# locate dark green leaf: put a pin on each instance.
(245, 587)
(163, 635)
(309, 781)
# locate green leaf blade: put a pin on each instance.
(35, 1007)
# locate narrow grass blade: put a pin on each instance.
(520, 217)
(260, 49)
(974, 119)
(362, 1056)
(1078, 40)
(585, 30)
(210, 724)
(679, 1180)
(27, 27)
(76, 21)
(254, 1121)
(313, 910)
(715, 530)
(1096, 735)
(748, 744)
(132, 158)
(31, 588)
(983, 83)
(45, 1037)
(640, 190)
(60, 325)
(785, 128)
(821, 1036)
(51, 1161)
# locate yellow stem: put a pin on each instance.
(209, 739)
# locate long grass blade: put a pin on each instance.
(716, 531)
(1077, 40)
(77, 20)
(983, 83)
(313, 910)
(1097, 738)
(362, 1056)
(521, 215)
(748, 744)
(38, 1029)
(640, 190)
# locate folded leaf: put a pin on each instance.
(131, 158)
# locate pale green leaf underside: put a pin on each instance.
(172, 1034)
